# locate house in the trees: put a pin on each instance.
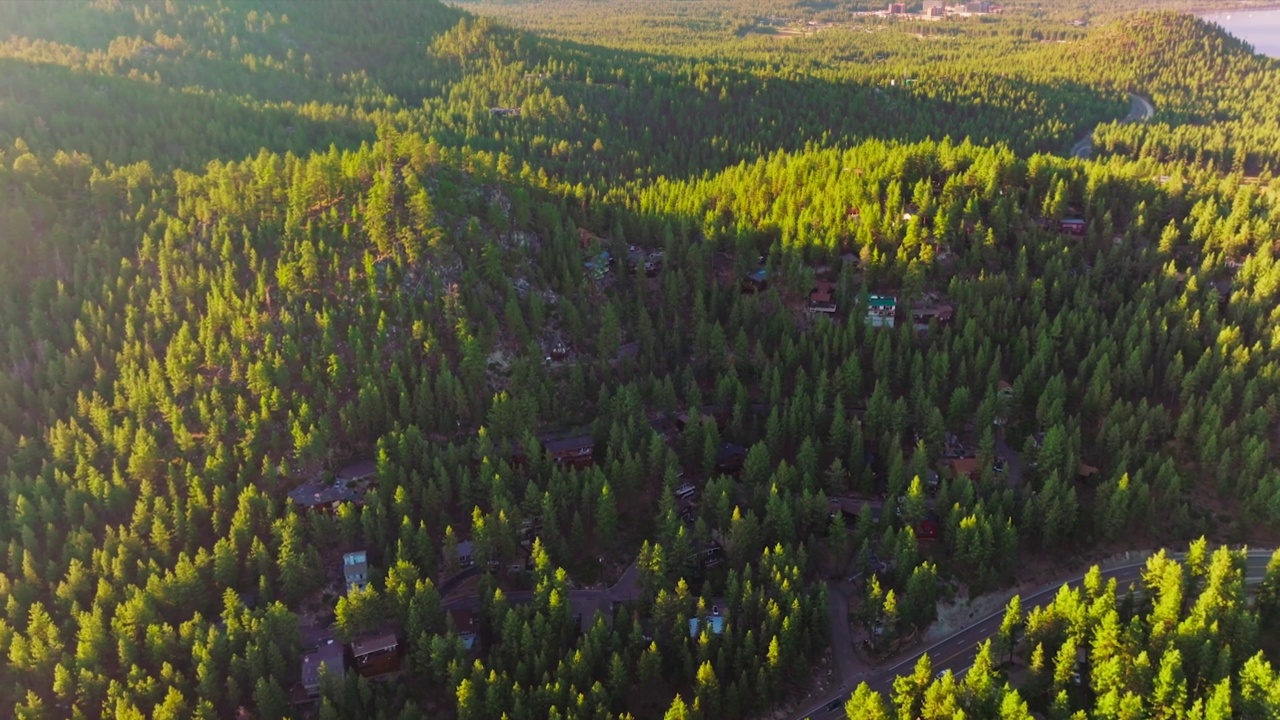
(376, 655)
(729, 458)
(927, 530)
(464, 623)
(597, 265)
(577, 451)
(651, 261)
(355, 568)
(558, 351)
(325, 659)
(707, 413)
(465, 557)
(1004, 390)
(1073, 226)
(882, 310)
(940, 313)
(665, 426)
(348, 485)
(755, 281)
(851, 509)
(822, 299)
(322, 496)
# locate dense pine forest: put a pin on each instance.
(627, 360)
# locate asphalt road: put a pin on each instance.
(1139, 110)
(956, 653)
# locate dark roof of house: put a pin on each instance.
(355, 565)
(730, 450)
(328, 656)
(759, 276)
(1073, 221)
(316, 494)
(464, 621)
(822, 292)
(578, 442)
(933, 310)
(964, 466)
(853, 506)
(377, 643)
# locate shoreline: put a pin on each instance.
(1202, 12)
(1222, 17)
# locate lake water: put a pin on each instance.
(1259, 28)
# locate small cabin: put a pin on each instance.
(755, 281)
(1073, 226)
(650, 261)
(464, 623)
(325, 659)
(822, 298)
(376, 655)
(729, 458)
(922, 316)
(576, 451)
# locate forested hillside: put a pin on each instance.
(578, 351)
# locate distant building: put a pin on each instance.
(729, 458)
(1072, 226)
(465, 555)
(376, 655)
(355, 568)
(755, 281)
(882, 310)
(851, 508)
(325, 659)
(464, 623)
(345, 487)
(597, 266)
(638, 258)
(897, 8)
(576, 451)
(922, 316)
(822, 299)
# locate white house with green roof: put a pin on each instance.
(882, 310)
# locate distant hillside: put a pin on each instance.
(1217, 103)
(181, 84)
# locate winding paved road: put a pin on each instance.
(1140, 110)
(956, 652)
